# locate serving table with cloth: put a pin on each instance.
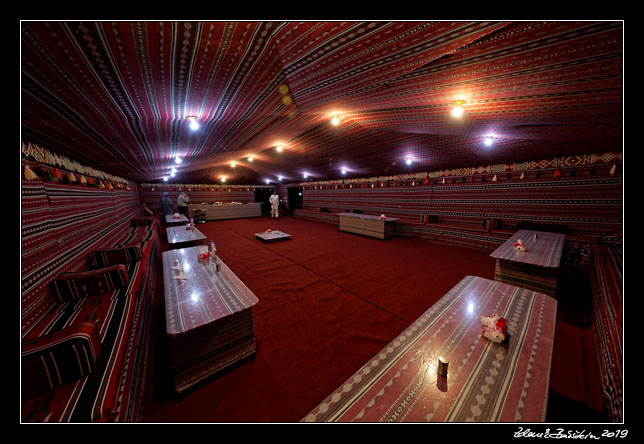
(220, 211)
(367, 225)
(209, 316)
(486, 381)
(537, 268)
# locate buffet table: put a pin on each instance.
(536, 268)
(219, 211)
(486, 381)
(209, 316)
(367, 225)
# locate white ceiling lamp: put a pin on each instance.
(233, 164)
(165, 178)
(457, 109)
(344, 171)
(177, 160)
(408, 161)
(250, 158)
(306, 175)
(223, 178)
(335, 120)
(489, 140)
(194, 125)
(279, 178)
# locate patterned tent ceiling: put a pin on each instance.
(115, 95)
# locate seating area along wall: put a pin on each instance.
(584, 202)
(62, 223)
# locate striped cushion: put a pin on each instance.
(141, 222)
(71, 286)
(607, 282)
(54, 360)
(114, 256)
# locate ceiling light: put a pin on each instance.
(194, 125)
(165, 178)
(457, 110)
(408, 161)
(223, 178)
(279, 178)
(306, 175)
(174, 170)
(172, 174)
(279, 148)
(335, 120)
(489, 140)
(250, 158)
(177, 159)
(267, 181)
(233, 164)
(344, 171)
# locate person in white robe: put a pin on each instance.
(274, 201)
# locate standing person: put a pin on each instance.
(182, 203)
(275, 201)
(166, 204)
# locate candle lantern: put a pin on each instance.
(442, 366)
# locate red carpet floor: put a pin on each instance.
(328, 301)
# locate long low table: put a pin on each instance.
(209, 317)
(367, 225)
(179, 237)
(228, 210)
(486, 381)
(170, 220)
(537, 268)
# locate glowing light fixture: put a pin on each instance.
(172, 174)
(335, 120)
(344, 171)
(267, 181)
(177, 159)
(457, 110)
(233, 164)
(250, 158)
(408, 161)
(223, 178)
(279, 148)
(173, 170)
(165, 178)
(194, 125)
(279, 177)
(305, 175)
(489, 140)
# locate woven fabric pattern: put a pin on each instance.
(57, 359)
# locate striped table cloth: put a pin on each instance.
(486, 381)
(537, 268)
(367, 225)
(179, 237)
(171, 221)
(209, 317)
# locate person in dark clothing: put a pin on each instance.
(166, 204)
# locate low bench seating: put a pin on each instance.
(605, 272)
(84, 359)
